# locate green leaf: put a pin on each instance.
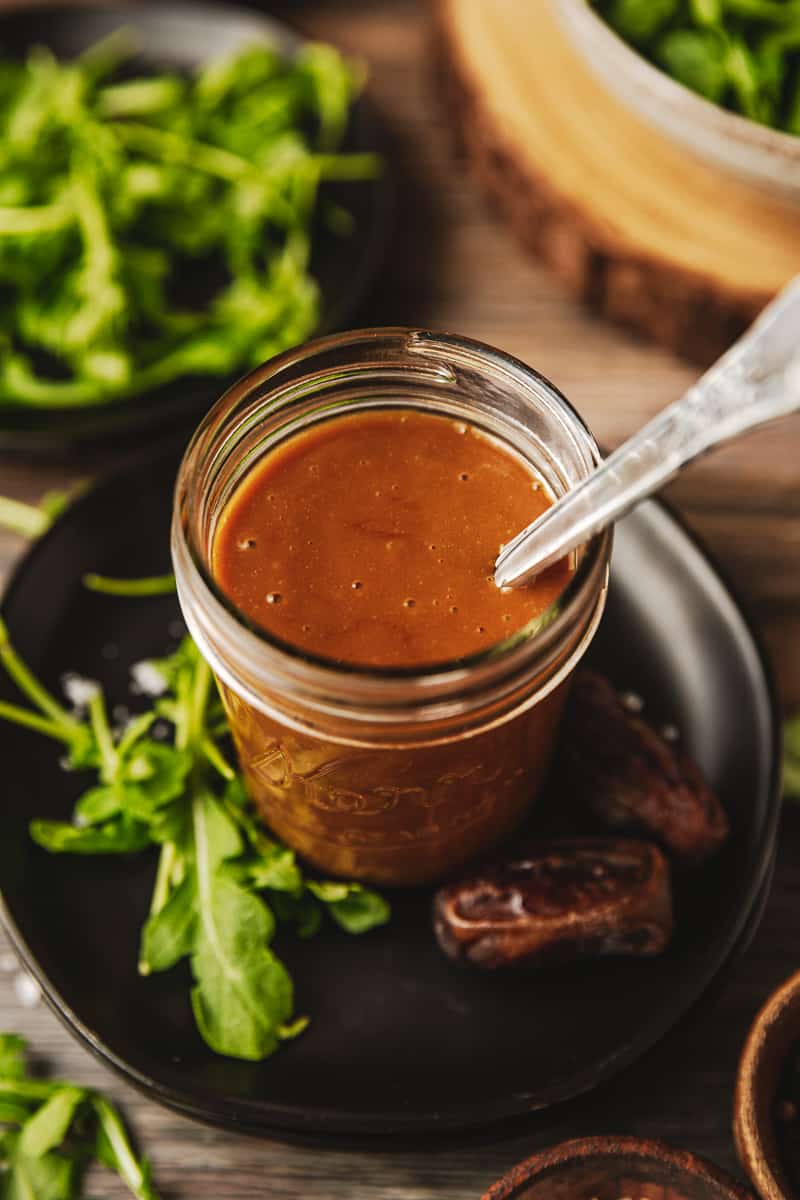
(157, 773)
(48, 1128)
(51, 1177)
(168, 935)
(697, 59)
(119, 836)
(14, 1113)
(97, 805)
(706, 12)
(360, 910)
(113, 1148)
(243, 994)
(791, 758)
(303, 912)
(640, 20)
(12, 1055)
(153, 585)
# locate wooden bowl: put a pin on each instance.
(772, 1035)
(768, 158)
(609, 1168)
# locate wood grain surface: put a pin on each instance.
(453, 265)
(649, 235)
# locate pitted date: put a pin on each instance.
(632, 779)
(557, 901)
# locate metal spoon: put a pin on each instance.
(757, 380)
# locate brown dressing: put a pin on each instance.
(371, 539)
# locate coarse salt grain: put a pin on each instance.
(27, 990)
(147, 680)
(79, 689)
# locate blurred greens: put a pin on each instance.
(791, 758)
(160, 226)
(741, 54)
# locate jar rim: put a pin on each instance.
(304, 667)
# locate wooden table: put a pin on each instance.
(452, 265)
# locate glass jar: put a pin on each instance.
(391, 776)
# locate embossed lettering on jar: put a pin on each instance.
(393, 712)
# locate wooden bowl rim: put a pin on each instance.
(775, 1027)
(649, 1149)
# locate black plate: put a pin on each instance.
(180, 36)
(401, 1042)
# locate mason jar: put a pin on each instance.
(388, 775)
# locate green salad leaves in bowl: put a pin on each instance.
(719, 77)
(162, 230)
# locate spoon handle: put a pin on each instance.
(757, 380)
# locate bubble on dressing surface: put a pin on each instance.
(247, 543)
(356, 585)
(274, 597)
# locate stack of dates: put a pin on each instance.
(581, 897)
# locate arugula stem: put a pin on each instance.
(29, 685)
(32, 720)
(198, 700)
(214, 756)
(167, 146)
(166, 864)
(151, 585)
(105, 739)
(348, 167)
(127, 1166)
(34, 219)
(26, 519)
(30, 1089)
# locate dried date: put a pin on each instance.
(557, 901)
(633, 779)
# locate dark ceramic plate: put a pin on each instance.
(179, 36)
(401, 1041)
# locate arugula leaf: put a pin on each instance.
(169, 934)
(222, 881)
(48, 1128)
(791, 758)
(119, 836)
(54, 1131)
(51, 1177)
(355, 908)
(743, 54)
(113, 1148)
(243, 993)
(113, 191)
(697, 59)
(12, 1056)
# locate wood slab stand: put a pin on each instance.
(643, 231)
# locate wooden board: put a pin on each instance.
(640, 228)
